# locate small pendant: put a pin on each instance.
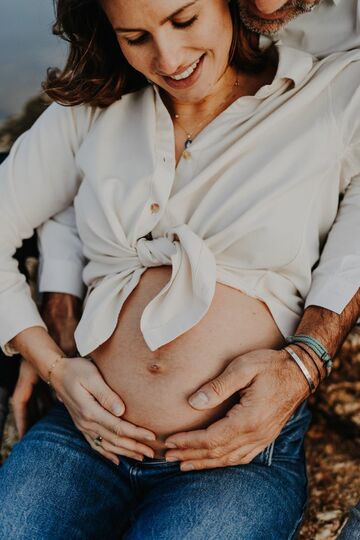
(187, 143)
(186, 154)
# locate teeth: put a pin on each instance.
(187, 72)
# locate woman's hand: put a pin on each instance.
(270, 387)
(61, 313)
(95, 410)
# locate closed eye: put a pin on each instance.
(176, 24)
(185, 24)
(137, 41)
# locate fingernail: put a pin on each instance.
(187, 467)
(172, 459)
(170, 445)
(150, 438)
(199, 400)
(117, 409)
(115, 462)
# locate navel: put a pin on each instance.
(154, 368)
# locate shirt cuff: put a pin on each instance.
(18, 314)
(331, 292)
(58, 275)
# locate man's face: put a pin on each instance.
(269, 16)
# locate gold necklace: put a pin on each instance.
(189, 134)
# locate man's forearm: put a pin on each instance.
(328, 327)
(61, 313)
(62, 305)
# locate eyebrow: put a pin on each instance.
(162, 22)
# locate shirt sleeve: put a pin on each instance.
(61, 255)
(38, 180)
(337, 277)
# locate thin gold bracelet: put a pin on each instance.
(51, 369)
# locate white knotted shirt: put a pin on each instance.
(251, 208)
(332, 26)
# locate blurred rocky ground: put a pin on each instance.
(333, 441)
(333, 446)
(14, 126)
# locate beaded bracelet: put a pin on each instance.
(51, 369)
(315, 346)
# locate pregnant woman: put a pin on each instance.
(201, 220)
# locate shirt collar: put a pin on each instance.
(293, 64)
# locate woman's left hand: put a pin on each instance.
(270, 387)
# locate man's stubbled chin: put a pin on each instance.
(270, 24)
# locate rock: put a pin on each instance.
(328, 516)
(326, 534)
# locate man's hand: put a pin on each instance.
(270, 387)
(61, 313)
(26, 407)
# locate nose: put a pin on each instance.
(269, 6)
(168, 60)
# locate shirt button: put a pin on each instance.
(154, 207)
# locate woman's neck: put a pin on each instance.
(221, 95)
(190, 118)
(234, 85)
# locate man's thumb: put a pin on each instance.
(216, 391)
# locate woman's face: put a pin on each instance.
(180, 45)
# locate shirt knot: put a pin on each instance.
(156, 252)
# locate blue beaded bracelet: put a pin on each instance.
(315, 346)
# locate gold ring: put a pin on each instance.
(98, 440)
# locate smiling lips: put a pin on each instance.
(185, 74)
(186, 78)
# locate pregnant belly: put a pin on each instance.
(155, 385)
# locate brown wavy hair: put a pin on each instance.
(96, 72)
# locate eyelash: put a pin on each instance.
(179, 25)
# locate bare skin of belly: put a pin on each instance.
(155, 385)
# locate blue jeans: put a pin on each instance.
(55, 487)
(351, 531)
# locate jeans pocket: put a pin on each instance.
(265, 457)
(289, 443)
